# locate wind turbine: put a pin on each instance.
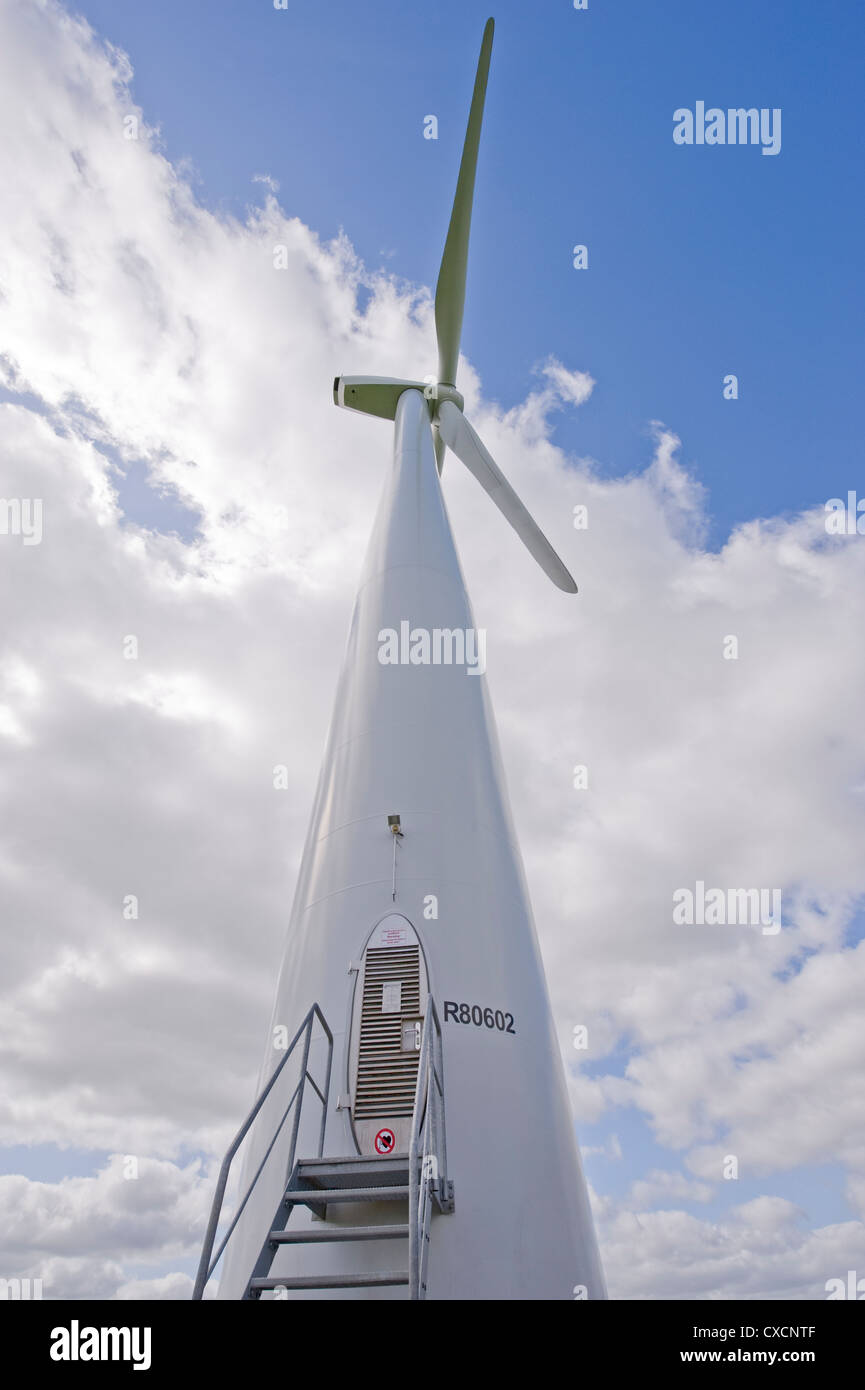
(412, 1126)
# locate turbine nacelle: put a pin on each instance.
(378, 395)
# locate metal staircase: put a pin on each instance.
(415, 1183)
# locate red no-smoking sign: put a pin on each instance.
(385, 1141)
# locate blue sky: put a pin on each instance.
(702, 261)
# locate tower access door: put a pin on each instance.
(390, 1000)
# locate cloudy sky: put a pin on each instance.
(177, 630)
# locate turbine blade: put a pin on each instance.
(459, 436)
(451, 286)
(439, 447)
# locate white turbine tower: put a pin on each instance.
(412, 1127)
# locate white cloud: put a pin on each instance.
(78, 1235)
(612, 1149)
(570, 386)
(762, 1250)
(166, 1286)
(660, 1186)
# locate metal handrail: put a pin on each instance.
(429, 1146)
(206, 1266)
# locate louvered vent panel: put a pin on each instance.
(386, 1076)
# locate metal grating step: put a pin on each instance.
(356, 1171)
(302, 1196)
(333, 1281)
(339, 1233)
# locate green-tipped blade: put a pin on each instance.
(451, 287)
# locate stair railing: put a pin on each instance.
(206, 1264)
(428, 1177)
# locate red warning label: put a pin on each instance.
(385, 1141)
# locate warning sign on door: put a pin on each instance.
(385, 1141)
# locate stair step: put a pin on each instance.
(333, 1281)
(319, 1196)
(353, 1172)
(353, 1160)
(339, 1233)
